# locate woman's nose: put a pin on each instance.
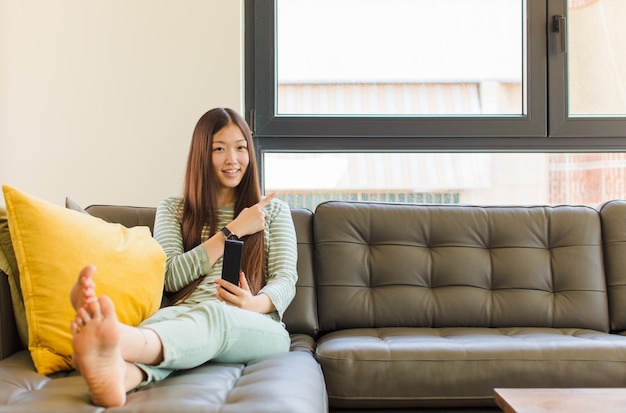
(231, 156)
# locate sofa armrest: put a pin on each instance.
(302, 342)
(9, 340)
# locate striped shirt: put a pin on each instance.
(184, 267)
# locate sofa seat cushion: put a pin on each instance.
(290, 382)
(424, 367)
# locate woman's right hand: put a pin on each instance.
(252, 219)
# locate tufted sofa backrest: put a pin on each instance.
(384, 265)
(129, 216)
(391, 265)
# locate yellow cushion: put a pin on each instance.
(52, 244)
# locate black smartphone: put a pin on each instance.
(231, 264)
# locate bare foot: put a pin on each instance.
(83, 291)
(96, 344)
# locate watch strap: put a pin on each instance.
(228, 234)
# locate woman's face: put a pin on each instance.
(230, 160)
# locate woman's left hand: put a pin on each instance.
(242, 296)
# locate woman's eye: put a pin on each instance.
(243, 147)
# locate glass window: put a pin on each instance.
(439, 101)
(447, 178)
(596, 57)
(400, 57)
(587, 76)
(435, 68)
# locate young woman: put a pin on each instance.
(212, 319)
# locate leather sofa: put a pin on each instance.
(403, 306)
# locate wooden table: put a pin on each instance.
(604, 400)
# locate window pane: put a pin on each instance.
(447, 178)
(401, 57)
(596, 57)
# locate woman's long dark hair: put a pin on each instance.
(200, 196)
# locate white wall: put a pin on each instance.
(98, 98)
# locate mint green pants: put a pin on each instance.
(212, 330)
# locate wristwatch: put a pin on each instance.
(228, 234)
